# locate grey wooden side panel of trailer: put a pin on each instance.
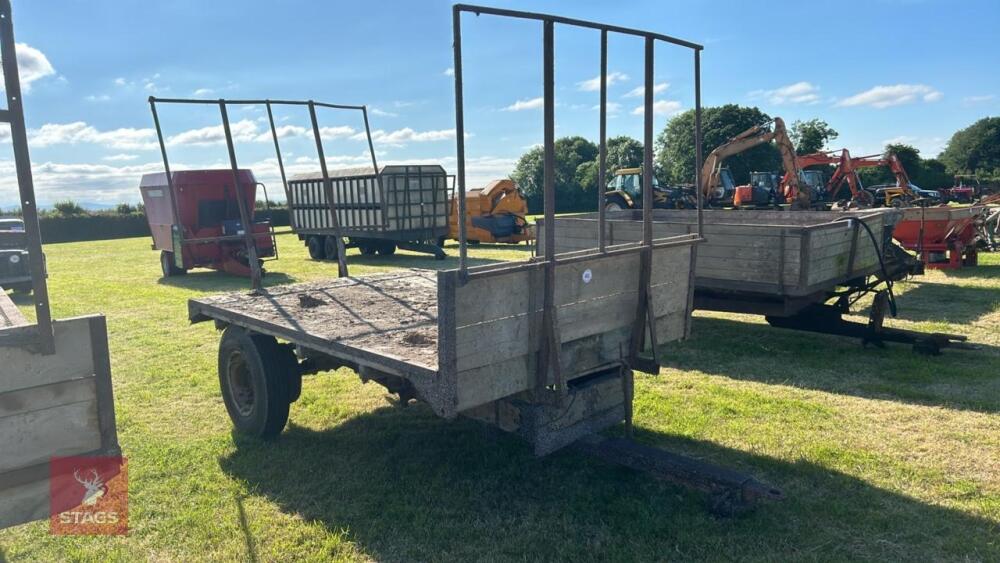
(52, 405)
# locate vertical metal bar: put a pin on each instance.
(647, 149)
(456, 24)
(170, 178)
(697, 139)
(371, 151)
(328, 190)
(25, 182)
(602, 163)
(245, 216)
(281, 163)
(550, 348)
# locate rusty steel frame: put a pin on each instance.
(248, 236)
(549, 357)
(41, 335)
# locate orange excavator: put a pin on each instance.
(791, 191)
(844, 172)
(904, 193)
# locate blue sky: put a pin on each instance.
(881, 70)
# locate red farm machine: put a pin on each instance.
(943, 236)
(196, 220)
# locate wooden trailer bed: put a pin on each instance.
(465, 344)
(781, 253)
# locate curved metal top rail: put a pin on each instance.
(573, 21)
(217, 101)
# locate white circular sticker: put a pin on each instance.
(587, 275)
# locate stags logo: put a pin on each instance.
(88, 495)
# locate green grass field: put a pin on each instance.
(883, 454)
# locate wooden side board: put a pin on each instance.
(751, 249)
(497, 320)
(52, 405)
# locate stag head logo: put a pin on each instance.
(93, 485)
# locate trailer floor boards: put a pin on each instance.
(392, 315)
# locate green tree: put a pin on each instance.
(623, 152)
(975, 149)
(675, 158)
(811, 136)
(570, 153)
(68, 208)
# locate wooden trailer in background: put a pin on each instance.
(800, 269)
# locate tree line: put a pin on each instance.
(973, 150)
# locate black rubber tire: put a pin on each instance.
(316, 246)
(441, 240)
(386, 248)
(330, 249)
(368, 248)
(167, 265)
(257, 365)
(615, 202)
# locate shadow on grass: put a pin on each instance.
(215, 281)
(21, 298)
(960, 379)
(407, 486)
(945, 303)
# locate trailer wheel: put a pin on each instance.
(168, 266)
(255, 380)
(316, 246)
(330, 247)
(387, 248)
(368, 248)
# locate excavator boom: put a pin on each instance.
(773, 130)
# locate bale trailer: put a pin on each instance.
(799, 269)
(544, 348)
(378, 210)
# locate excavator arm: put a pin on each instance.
(773, 130)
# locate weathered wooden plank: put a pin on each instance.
(10, 315)
(47, 396)
(24, 503)
(23, 368)
(35, 436)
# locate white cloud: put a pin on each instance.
(100, 183)
(594, 84)
(640, 91)
(661, 107)
(449, 72)
(888, 96)
(520, 105)
(203, 92)
(98, 98)
(798, 93)
(243, 130)
(80, 132)
(32, 65)
(400, 137)
(121, 81)
(121, 157)
(978, 99)
(382, 112)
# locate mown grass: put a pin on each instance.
(883, 454)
